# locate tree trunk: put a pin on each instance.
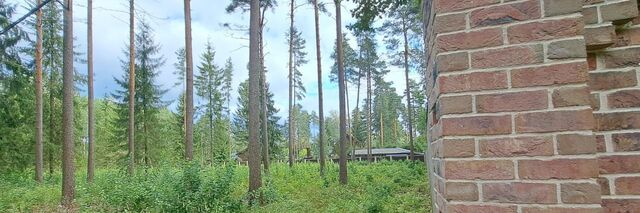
(68, 167)
(381, 129)
(255, 181)
(341, 91)
(349, 130)
(406, 75)
(90, 117)
(188, 140)
(291, 95)
(265, 122)
(39, 106)
(369, 157)
(132, 91)
(357, 115)
(320, 106)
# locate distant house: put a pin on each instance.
(387, 153)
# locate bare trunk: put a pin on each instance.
(381, 129)
(91, 118)
(341, 89)
(349, 130)
(188, 140)
(320, 106)
(255, 181)
(369, 157)
(406, 75)
(291, 114)
(68, 164)
(357, 115)
(132, 91)
(265, 122)
(39, 106)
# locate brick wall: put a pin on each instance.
(512, 126)
(612, 38)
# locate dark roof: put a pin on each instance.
(384, 151)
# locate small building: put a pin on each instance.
(387, 153)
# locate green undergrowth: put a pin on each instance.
(379, 187)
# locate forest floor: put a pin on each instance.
(378, 187)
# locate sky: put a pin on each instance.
(111, 34)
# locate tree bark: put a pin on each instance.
(341, 90)
(188, 140)
(320, 104)
(68, 167)
(381, 128)
(132, 91)
(291, 114)
(39, 106)
(90, 117)
(369, 157)
(255, 181)
(406, 75)
(265, 121)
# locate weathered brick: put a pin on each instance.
(580, 193)
(479, 169)
(454, 105)
(508, 56)
(621, 164)
(595, 102)
(470, 40)
(505, 13)
(443, 6)
(621, 205)
(515, 101)
(550, 75)
(473, 82)
(453, 62)
(599, 37)
(619, 12)
(561, 209)
(460, 191)
(592, 60)
(575, 144)
(539, 193)
(628, 37)
(476, 125)
(624, 99)
(554, 121)
(458, 148)
(622, 58)
(617, 121)
(558, 169)
(604, 186)
(612, 80)
(589, 2)
(545, 30)
(601, 145)
(571, 96)
(519, 146)
(476, 208)
(574, 48)
(626, 142)
(451, 22)
(590, 15)
(561, 7)
(628, 186)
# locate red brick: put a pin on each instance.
(561, 7)
(545, 30)
(619, 12)
(592, 60)
(590, 15)
(453, 62)
(622, 58)
(477, 125)
(520, 146)
(508, 56)
(554, 121)
(617, 121)
(558, 169)
(628, 37)
(599, 37)
(505, 13)
(580, 193)
(621, 164)
(571, 96)
(479, 169)
(461, 191)
(550, 75)
(575, 144)
(626, 142)
(443, 6)
(538, 193)
(473, 82)
(477, 208)
(624, 99)
(621, 205)
(612, 80)
(561, 209)
(628, 186)
(458, 148)
(595, 102)
(470, 40)
(601, 145)
(604, 186)
(449, 23)
(515, 101)
(454, 105)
